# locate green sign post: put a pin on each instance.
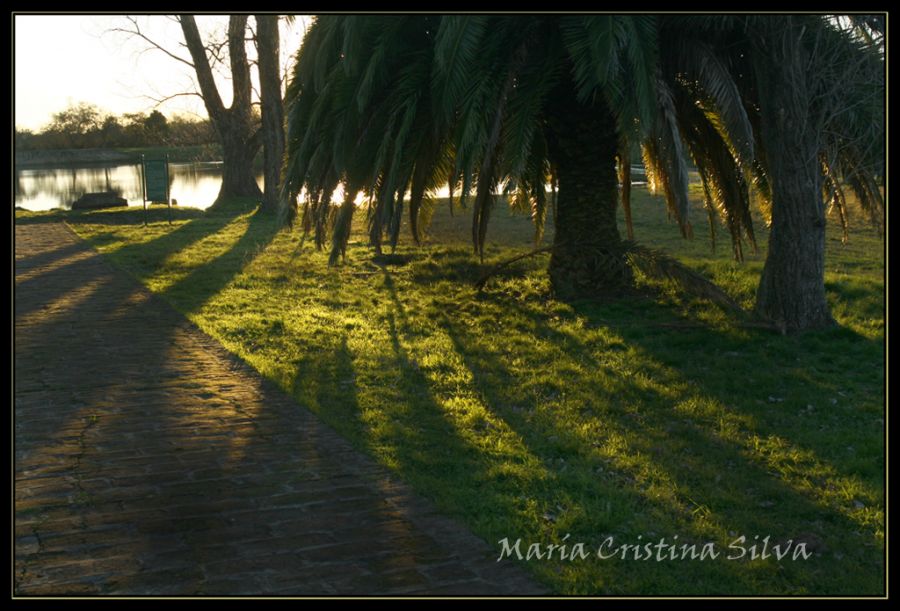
(156, 183)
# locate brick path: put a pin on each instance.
(150, 461)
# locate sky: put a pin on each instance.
(61, 60)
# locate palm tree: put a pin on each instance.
(802, 117)
(818, 99)
(394, 105)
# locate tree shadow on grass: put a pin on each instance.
(400, 435)
(132, 215)
(401, 429)
(208, 279)
(401, 419)
(136, 256)
(495, 493)
(49, 255)
(738, 451)
(691, 438)
(690, 455)
(712, 356)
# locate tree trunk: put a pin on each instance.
(272, 108)
(239, 147)
(791, 291)
(588, 257)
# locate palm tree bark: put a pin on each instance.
(588, 257)
(791, 292)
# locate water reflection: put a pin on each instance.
(192, 184)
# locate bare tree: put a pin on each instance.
(237, 128)
(234, 125)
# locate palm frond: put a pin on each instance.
(489, 174)
(614, 56)
(457, 44)
(724, 186)
(703, 71)
(657, 264)
(664, 159)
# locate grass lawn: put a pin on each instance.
(625, 422)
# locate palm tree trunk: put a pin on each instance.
(791, 291)
(588, 257)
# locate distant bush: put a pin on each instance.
(84, 125)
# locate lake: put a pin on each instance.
(192, 184)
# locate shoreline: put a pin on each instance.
(29, 159)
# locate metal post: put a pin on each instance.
(144, 189)
(168, 193)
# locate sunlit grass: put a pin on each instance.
(530, 418)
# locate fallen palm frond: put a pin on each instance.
(479, 284)
(659, 265)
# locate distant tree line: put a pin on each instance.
(84, 126)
